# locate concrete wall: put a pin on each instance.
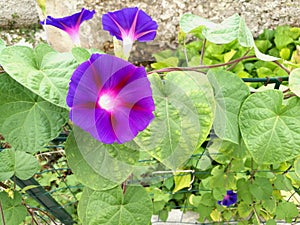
(17, 13)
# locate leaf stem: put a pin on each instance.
(234, 64)
(282, 67)
(256, 215)
(201, 67)
(202, 52)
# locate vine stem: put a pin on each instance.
(234, 64)
(201, 67)
(202, 51)
(282, 67)
(256, 215)
(29, 210)
(2, 214)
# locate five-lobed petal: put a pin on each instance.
(70, 24)
(229, 199)
(129, 25)
(110, 98)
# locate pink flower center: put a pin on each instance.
(106, 102)
(226, 197)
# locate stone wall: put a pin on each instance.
(17, 13)
(258, 14)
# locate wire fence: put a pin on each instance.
(56, 201)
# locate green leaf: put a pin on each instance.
(271, 130)
(27, 121)
(244, 209)
(2, 45)
(287, 211)
(189, 22)
(13, 210)
(228, 56)
(204, 212)
(271, 222)
(263, 45)
(282, 40)
(195, 200)
(245, 36)
(18, 163)
(297, 166)
(204, 162)
(224, 32)
(183, 117)
(92, 160)
(261, 188)
(169, 62)
(80, 54)
(113, 207)
(285, 53)
(243, 190)
(294, 81)
(263, 56)
(270, 205)
(218, 178)
(43, 71)
(230, 92)
(181, 180)
(42, 5)
(283, 183)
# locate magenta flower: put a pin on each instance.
(129, 25)
(229, 199)
(110, 98)
(70, 24)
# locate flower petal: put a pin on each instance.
(127, 90)
(130, 22)
(70, 24)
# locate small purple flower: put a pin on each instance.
(129, 25)
(110, 98)
(70, 24)
(229, 199)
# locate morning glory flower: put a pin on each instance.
(129, 25)
(70, 24)
(229, 199)
(110, 98)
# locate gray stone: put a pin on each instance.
(258, 14)
(18, 13)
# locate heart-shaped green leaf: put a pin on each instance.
(230, 92)
(13, 210)
(18, 163)
(27, 121)
(42, 70)
(189, 22)
(92, 160)
(270, 127)
(113, 207)
(294, 81)
(184, 105)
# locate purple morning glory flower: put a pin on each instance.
(129, 25)
(70, 24)
(110, 98)
(229, 199)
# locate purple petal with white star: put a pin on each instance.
(110, 98)
(70, 24)
(130, 23)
